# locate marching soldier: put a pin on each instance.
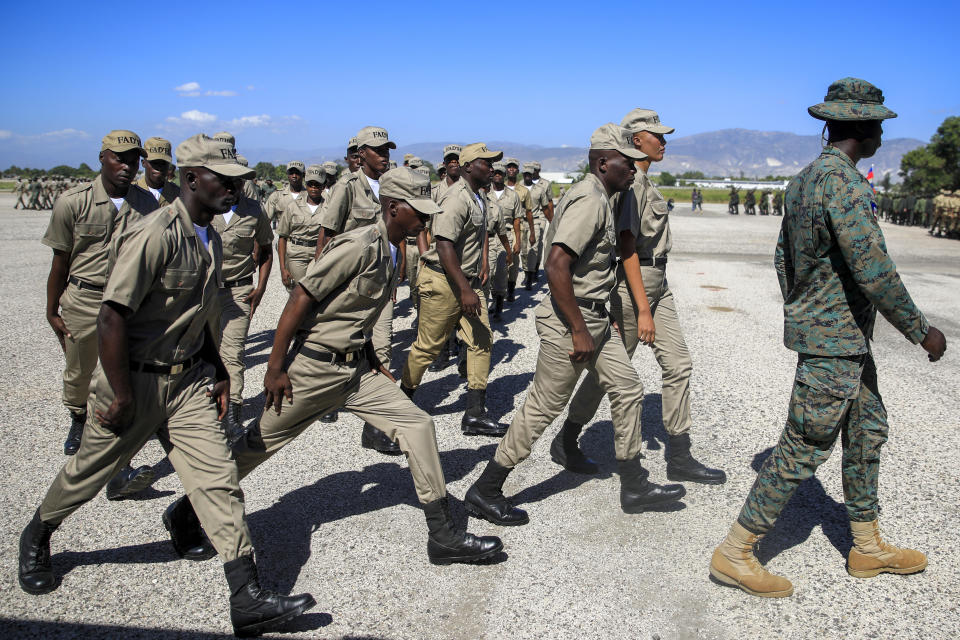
(541, 205)
(278, 199)
(529, 232)
(835, 275)
(299, 228)
(499, 256)
(513, 210)
(155, 171)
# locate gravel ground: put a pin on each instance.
(342, 523)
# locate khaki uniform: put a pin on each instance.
(498, 224)
(352, 281)
(533, 252)
(163, 273)
(439, 189)
(643, 211)
(301, 228)
(353, 205)
(82, 224)
(584, 223)
(277, 200)
(248, 227)
(513, 210)
(168, 193)
(463, 222)
(251, 190)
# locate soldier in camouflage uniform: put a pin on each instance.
(778, 204)
(835, 275)
(750, 203)
(733, 207)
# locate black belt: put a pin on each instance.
(302, 243)
(491, 235)
(330, 356)
(474, 281)
(165, 369)
(81, 284)
(434, 266)
(653, 262)
(240, 282)
(593, 305)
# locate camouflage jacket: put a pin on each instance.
(833, 266)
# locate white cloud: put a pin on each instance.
(5, 134)
(251, 121)
(65, 133)
(224, 94)
(198, 116)
(250, 87)
(187, 87)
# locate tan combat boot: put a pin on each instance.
(870, 555)
(734, 564)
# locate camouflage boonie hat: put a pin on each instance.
(851, 99)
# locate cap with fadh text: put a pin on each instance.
(478, 150)
(158, 149)
(315, 173)
(374, 137)
(216, 156)
(615, 138)
(410, 186)
(120, 140)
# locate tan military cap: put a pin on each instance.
(412, 187)
(478, 150)
(424, 169)
(219, 157)
(536, 165)
(511, 161)
(407, 156)
(223, 136)
(527, 167)
(120, 140)
(499, 166)
(616, 138)
(243, 161)
(159, 149)
(451, 150)
(295, 164)
(374, 137)
(352, 143)
(315, 173)
(644, 120)
(413, 162)
(331, 168)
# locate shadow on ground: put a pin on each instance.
(10, 628)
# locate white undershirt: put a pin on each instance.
(295, 195)
(117, 202)
(499, 194)
(511, 187)
(393, 253)
(312, 207)
(374, 186)
(155, 192)
(229, 214)
(202, 232)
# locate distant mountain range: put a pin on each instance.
(728, 152)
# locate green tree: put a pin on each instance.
(667, 179)
(692, 175)
(264, 170)
(937, 165)
(885, 182)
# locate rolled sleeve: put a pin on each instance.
(333, 216)
(578, 226)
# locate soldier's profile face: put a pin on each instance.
(871, 144)
(620, 171)
(482, 171)
(120, 168)
(410, 220)
(376, 158)
(216, 192)
(652, 144)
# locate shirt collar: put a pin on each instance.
(833, 151)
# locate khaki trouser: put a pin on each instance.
(556, 376)
(234, 325)
(79, 309)
(383, 335)
(439, 315)
(297, 260)
(320, 388)
(497, 259)
(413, 262)
(669, 348)
(175, 408)
(531, 253)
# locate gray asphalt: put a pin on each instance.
(342, 523)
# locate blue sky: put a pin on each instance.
(304, 76)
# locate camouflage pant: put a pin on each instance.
(831, 397)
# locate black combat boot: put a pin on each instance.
(72, 444)
(637, 494)
(474, 422)
(447, 544)
(528, 283)
(497, 307)
(35, 571)
(442, 361)
(329, 418)
(233, 423)
(682, 466)
(565, 451)
(254, 610)
(511, 287)
(188, 538)
(373, 438)
(129, 481)
(485, 498)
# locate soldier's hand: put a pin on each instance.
(276, 387)
(221, 395)
(286, 278)
(935, 343)
(516, 249)
(582, 346)
(533, 238)
(60, 329)
(646, 330)
(118, 415)
(470, 302)
(253, 299)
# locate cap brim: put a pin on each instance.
(425, 206)
(150, 158)
(127, 147)
(632, 153)
(850, 111)
(231, 170)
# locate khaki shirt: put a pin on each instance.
(352, 280)
(463, 222)
(526, 202)
(497, 221)
(296, 220)
(643, 212)
(247, 227)
(440, 188)
(277, 200)
(351, 204)
(538, 199)
(168, 193)
(509, 201)
(584, 223)
(84, 221)
(251, 190)
(162, 272)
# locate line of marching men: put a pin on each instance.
(158, 283)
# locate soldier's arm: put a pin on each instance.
(783, 262)
(334, 214)
(56, 284)
(861, 244)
